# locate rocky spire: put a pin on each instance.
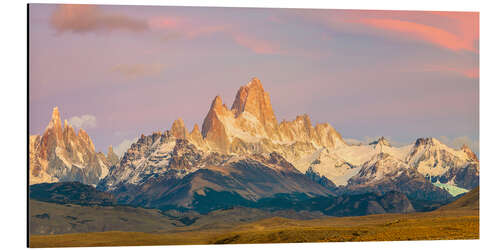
(54, 126)
(253, 99)
(208, 123)
(55, 120)
(178, 129)
(328, 136)
(195, 135)
(83, 136)
(53, 135)
(68, 134)
(112, 158)
(213, 129)
(196, 129)
(306, 121)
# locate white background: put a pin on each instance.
(13, 116)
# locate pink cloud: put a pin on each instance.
(164, 22)
(193, 28)
(87, 18)
(257, 45)
(426, 33)
(455, 31)
(466, 24)
(472, 73)
(466, 72)
(190, 28)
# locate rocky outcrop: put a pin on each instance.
(111, 157)
(178, 129)
(380, 142)
(318, 178)
(195, 136)
(469, 153)
(301, 129)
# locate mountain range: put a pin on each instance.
(243, 156)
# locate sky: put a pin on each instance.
(122, 71)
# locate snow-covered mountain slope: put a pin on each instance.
(383, 172)
(60, 154)
(163, 171)
(327, 164)
(428, 156)
(437, 161)
(380, 167)
(159, 154)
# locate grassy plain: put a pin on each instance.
(437, 225)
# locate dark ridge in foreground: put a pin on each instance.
(212, 200)
(70, 193)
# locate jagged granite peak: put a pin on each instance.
(251, 127)
(301, 129)
(436, 161)
(469, 152)
(253, 99)
(209, 122)
(111, 157)
(82, 134)
(430, 141)
(195, 136)
(213, 129)
(178, 129)
(328, 136)
(309, 129)
(54, 127)
(217, 104)
(196, 129)
(382, 141)
(55, 120)
(379, 167)
(63, 155)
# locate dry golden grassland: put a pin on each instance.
(437, 225)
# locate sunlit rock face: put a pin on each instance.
(61, 154)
